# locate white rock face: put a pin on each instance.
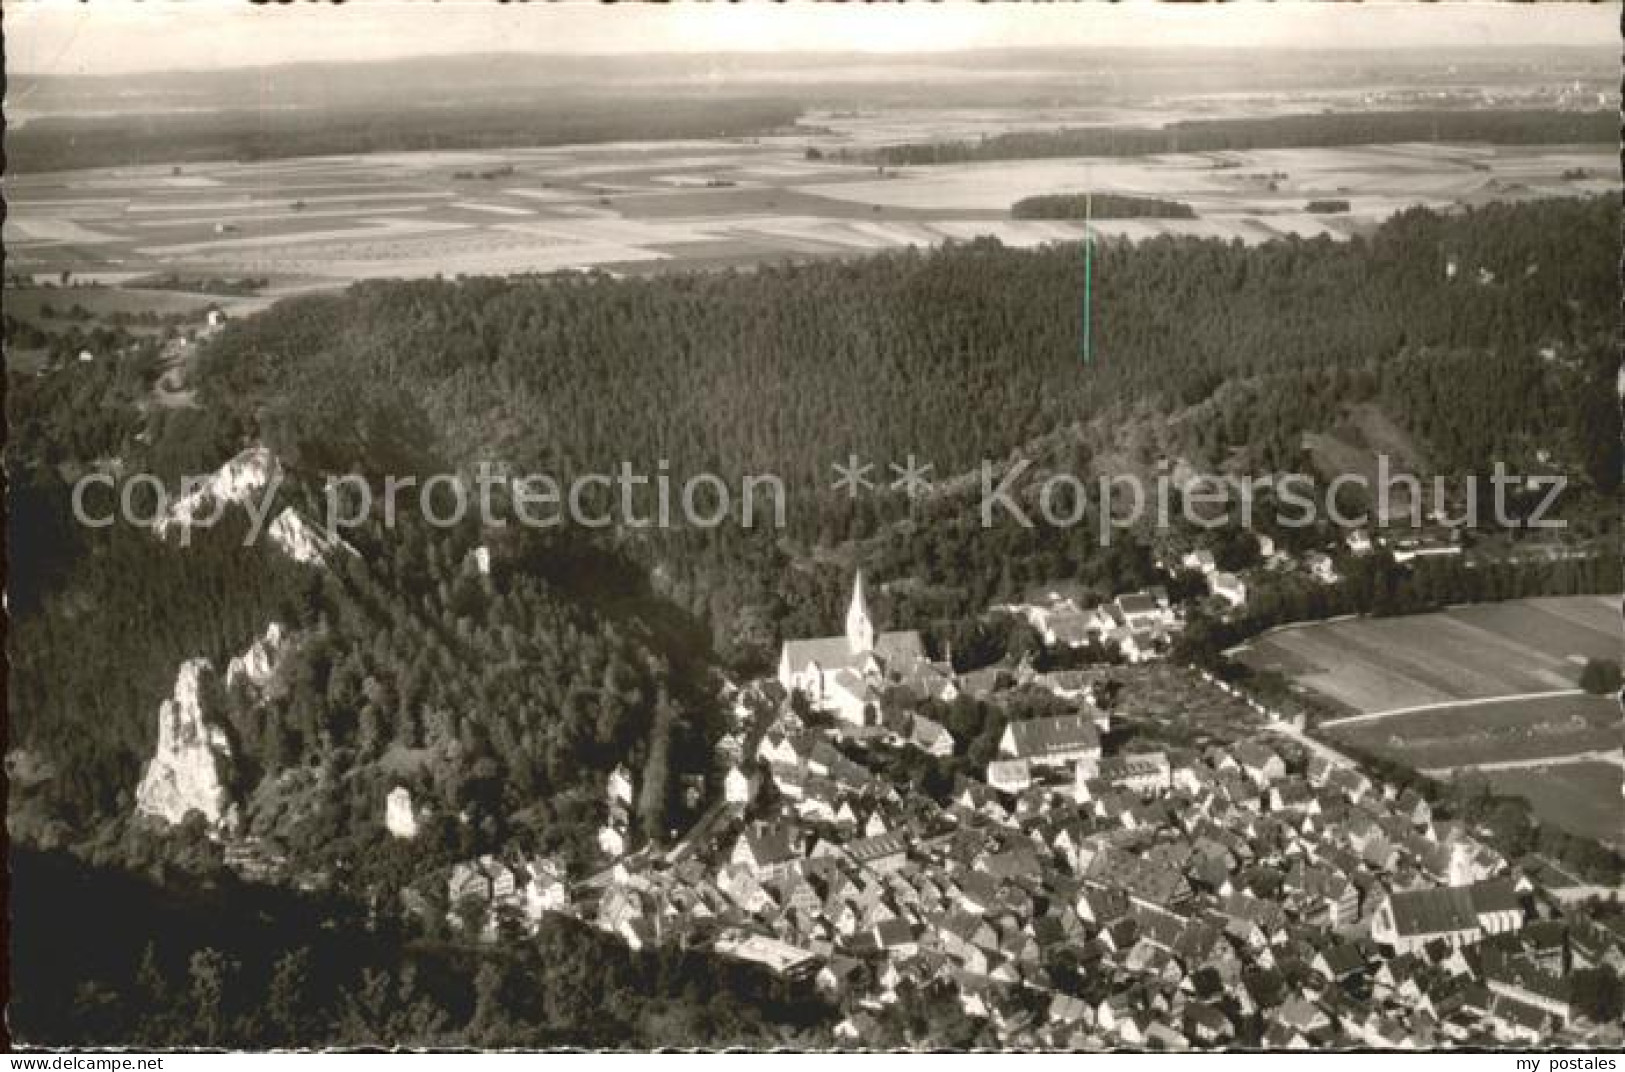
(302, 541)
(399, 817)
(237, 481)
(256, 666)
(190, 768)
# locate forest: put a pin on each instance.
(507, 696)
(956, 356)
(217, 963)
(1495, 126)
(61, 143)
(1100, 207)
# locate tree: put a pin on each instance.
(1598, 994)
(209, 970)
(1600, 677)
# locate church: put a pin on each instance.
(849, 674)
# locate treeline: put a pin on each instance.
(216, 963)
(60, 143)
(1100, 207)
(1496, 126)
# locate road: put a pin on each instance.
(701, 829)
(1600, 755)
(1325, 751)
(1352, 720)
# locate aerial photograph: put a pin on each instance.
(1069, 527)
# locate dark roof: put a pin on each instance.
(1435, 911)
(1136, 603)
(769, 846)
(1496, 895)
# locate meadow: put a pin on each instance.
(1493, 732)
(1465, 653)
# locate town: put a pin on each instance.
(1092, 886)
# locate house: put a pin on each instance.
(931, 737)
(1516, 1021)
(1321, 567)
(736, 787)
(1143, 773)
(612, 840)
(1409, 920)
(1528, 984)
(1140, 611)
(1009, 775)
(1259, 762)
(1051, 741)
(844, 672)
(1199, 560)
(781, 958)
(618, 790)
(765, 853)
(884, 854)
(1229, 587)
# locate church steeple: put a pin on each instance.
(860, 631)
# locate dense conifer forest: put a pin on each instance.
(1497, 127)
(1100, 207)
(1488, 334)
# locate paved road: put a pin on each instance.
(1600, 755)
(1351, 720)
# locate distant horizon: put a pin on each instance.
(47, 38)
(877, 58)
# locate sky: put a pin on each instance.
(117, 36)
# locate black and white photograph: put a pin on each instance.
(1079, 527)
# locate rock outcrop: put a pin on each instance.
(191, 768)
(302, 541)
(235, 482)
(399, 817)
(255, 667)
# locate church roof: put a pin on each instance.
(830, 653)
(903, 646)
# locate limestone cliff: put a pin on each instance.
(255, 667)
(191, 768)
(302, 541)
(237, 481)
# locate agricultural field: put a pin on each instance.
(321, 222)
(1371, 666)
(1488, 689)
(1583, 798)
(1498, 733)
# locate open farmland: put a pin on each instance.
(1490, 733)
(1372, 666)
(1583, 798)
(319, 222)
(1489, 688)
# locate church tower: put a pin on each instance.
(860, 631)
